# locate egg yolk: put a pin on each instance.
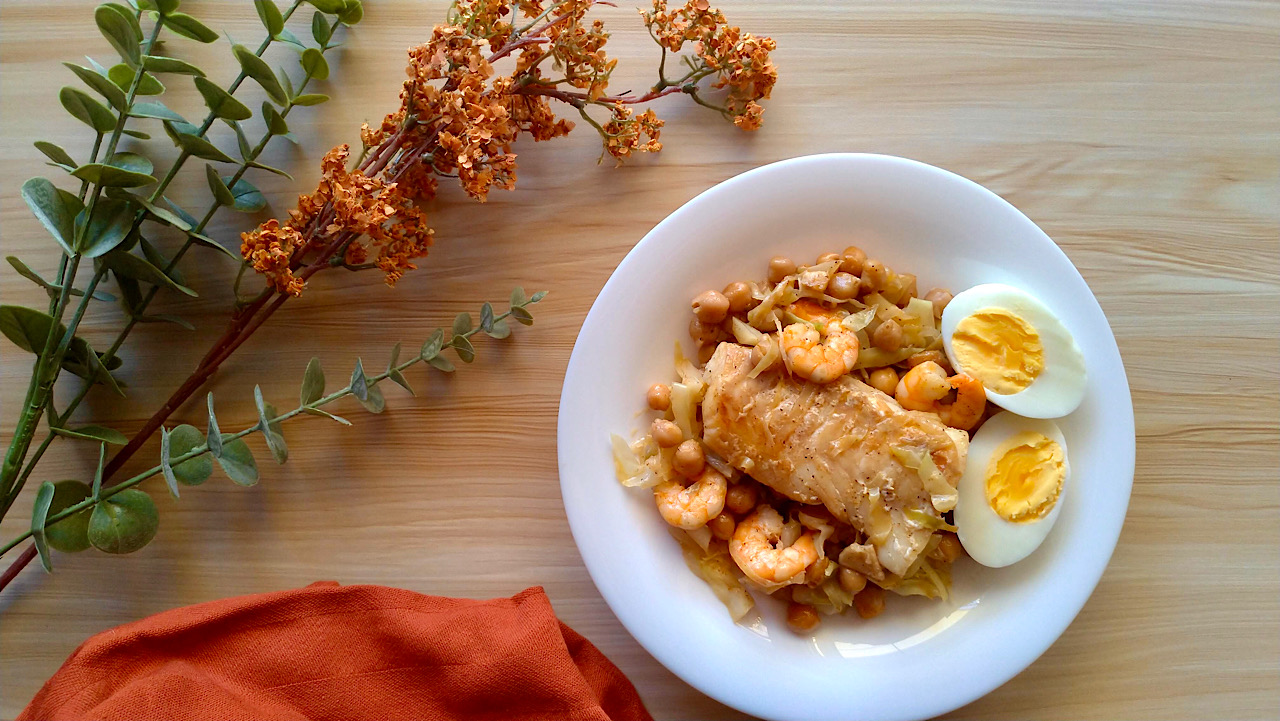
(1000, 349)
(1024, 477)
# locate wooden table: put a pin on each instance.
(1141, 136)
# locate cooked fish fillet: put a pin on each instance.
(832, 445)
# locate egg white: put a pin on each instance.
(1059, 388)
(988, 538)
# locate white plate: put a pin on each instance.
(920, 658)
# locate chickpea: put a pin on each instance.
(869, 601)
(854, 257)
(780, 267)
(722, 526)
(666, 433)
(741, 497)
(703, 332)
(802, 618)
(925, 356)
(843, 286)
(688, 460)
(875, 276)
(706, 351)
(739, 295)
(829, 257)
(884, 380)
(851, 580)
(659, 396)
(887, 337)
(817, 572)
(711, 307)
(949, 548)
(939, 297)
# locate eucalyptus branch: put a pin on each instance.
(362, 387)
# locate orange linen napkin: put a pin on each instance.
(350, 652)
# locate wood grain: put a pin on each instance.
(1142, 136)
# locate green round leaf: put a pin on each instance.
(101, 83)
(109, 175)
(256, 68)
(314, 63)
(124, 522)
(110, 225)
(220, 101)
(71, 534)
(197, 470)
(328, 6)
(159, 64)
(117, 28)
(55, 153)
(247, 197)
(237, 462)
(270, 16)
(188, 27)
(157, 110)
(351, 13)
(122, 76)
(87, 110)
(320, 29)
(53, 210)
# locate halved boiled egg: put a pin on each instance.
(1011, 491)
(1023, 354)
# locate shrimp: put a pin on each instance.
(926, 387)
(820, 357)
(753, 549)
(690, 507)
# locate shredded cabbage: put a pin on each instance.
(941, 494)
(639, 465)
(928, 520)
(701, 536)
(745, 334)
(816, 523)
(721, 465)
(782, 295)
(876, 357)
(689, 373)
(773, 351)
(921, 310)
(684, 406)
(716, 567)
(860, 320)
(879, 523)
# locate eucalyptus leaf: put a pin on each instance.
(270, 15)
(268, 168)
(486, 317)
(55, 153)
(320, 28)
(39, 513)
(247, 198)
(351, 13)
(131, 266)
(237, 462)
(160, 64)
(104, 174)
(22, 270)
(359, 384)
(166, 469)
(207, 242)
(87, 110)
(70, 535)
(441, 363)
(312, 383)
(310, 99)
(517, 296)
(326, 414)
(331, 7)
(27, 328)
(398, 378)
(395, 356)
(275, 121)
(432, 347)
(96, 490)
(500, 330)
(93, 433)
(193, 471)
(188, 27)
(122, 76)
(158, 259)
(155, 109)
(462, 323)
(286, 83)
(166, 318)
(256, 68)
(288, 38)
(213, 438)
(373, 400)
(102, 84)
(538, 296)
(123, 523)
(270, 432)
(465, 350)
(53, 211)
(163, 215)
(314, 64)
(136, 134)
(108, 228)
(246, 152)
(167, 7)
(84, 362)
(131, 162)
(195, 145)
(221, 192)
(522, 315)
(181, 212)
(120, 32)
(220, 102)
(129, 12)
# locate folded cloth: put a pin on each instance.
(342, 652)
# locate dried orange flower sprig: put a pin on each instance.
(458, 117)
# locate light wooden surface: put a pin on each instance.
(1142, 136)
